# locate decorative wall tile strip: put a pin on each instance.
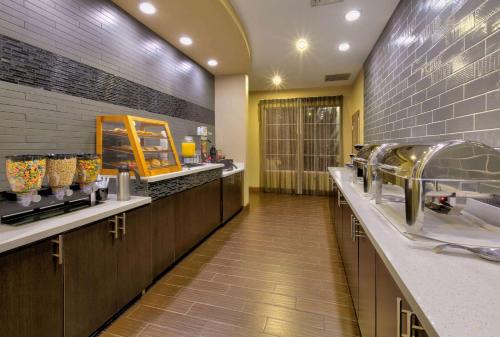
(164, 188)
(25, 64)
(100, 34)
(435, 73)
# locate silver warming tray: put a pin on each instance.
(360, 162)
(438, 177)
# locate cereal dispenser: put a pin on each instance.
(88, 167)
(61, 170)
(25, 174)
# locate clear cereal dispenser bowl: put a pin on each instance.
(25, 174)
(61, 169)
(88, 168)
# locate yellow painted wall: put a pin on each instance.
(253, 164)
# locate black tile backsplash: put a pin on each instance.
(434, 73)
(24, 64)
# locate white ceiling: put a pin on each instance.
(273, 26)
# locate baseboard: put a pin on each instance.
(254, 189)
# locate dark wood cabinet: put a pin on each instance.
(198, 214)
(394, 314)
(31, 292)
(337, 220)
(163, 232)
(106, 264)
(134, 254)
(366, 290)
(90, 278)
(72, 284)
(380, 306)
(232, 195)
(350, 253)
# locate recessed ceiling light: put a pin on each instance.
(352, 15)
(301, 44)
(277, 80)
(186, 40)
(212, 63)
(147, 8)
(344, 46)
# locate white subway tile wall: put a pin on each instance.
(435, 73)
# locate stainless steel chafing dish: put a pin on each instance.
(360, 161)
(439, 177)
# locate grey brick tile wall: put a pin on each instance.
(99, 34)
(435, 71)
(39, 121)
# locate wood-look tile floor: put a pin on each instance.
(274, 270)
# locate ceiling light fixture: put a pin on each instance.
(301, 44)
(147, 8)
(352, 15)
(186, 40)
(277, 80)
(212, 63)
(344, 46)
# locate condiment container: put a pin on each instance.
(61, 170)
(25, 174)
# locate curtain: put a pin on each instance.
(300, 138)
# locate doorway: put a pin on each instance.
(300, 138)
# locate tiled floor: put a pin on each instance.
(272, 271)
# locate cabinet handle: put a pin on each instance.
(339, 201)
(352, 227)
(358, 231)
(59, 254)
(114, 221)
(400, 312)
(122, 218)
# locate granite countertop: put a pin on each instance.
(454, 294)
(185, 171)
(12, 237)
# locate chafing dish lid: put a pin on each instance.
(451, 160)
(364, 153)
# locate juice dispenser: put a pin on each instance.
(188, 149)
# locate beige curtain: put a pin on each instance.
(300, 139)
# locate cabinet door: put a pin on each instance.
(232, 196)
(31, 293)
(350, 254)
(338, 220)
(134, 254)
(197, 215)
(366, 312)
(90, 278)
(210, 194)
(388, 321)
(162, 236)
(394, 314)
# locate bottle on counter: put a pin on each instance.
(123, 183)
